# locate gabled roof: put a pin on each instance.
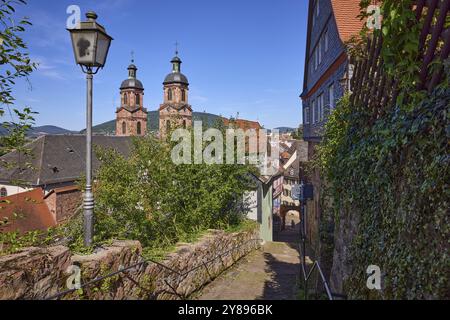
(26, 211)
(346, 13)
(55, 159)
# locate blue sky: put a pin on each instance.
(243, 56)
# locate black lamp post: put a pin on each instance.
(90, 45)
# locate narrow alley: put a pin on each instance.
(270, 273)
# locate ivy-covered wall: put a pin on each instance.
(387, 193)
(389, 185)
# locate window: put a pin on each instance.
(320, 106)
(323, 107)
(125, 99)
(183, 95)
(3, 192)
(167, 125)
(139, 129)
(317, 107)
(331, 96)
(306, 116)
(124, 128)
(316, 59)
(138, 100)
(317, 8)
(325, 40)
(314, 111)
(184, 124)
(319, 51)
(169, 95)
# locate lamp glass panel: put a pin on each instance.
(84, 45)
(103, 43)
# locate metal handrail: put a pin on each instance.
(306, 277)
(147, 262)
(316, 264)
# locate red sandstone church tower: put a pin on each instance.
(131, 117)
(175, 111)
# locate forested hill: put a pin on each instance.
(153, 122)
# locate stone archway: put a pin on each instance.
(288, 233)
(284, 211)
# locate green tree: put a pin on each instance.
(15, 63)
(14, 57)
(147, 197)
(298, 133)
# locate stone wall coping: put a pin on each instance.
(39, 273)
(116, 247)
(27, 252)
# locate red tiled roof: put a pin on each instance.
(62, 190)
(285, 155)
(32, 211)
(346, 13)
(243, 124)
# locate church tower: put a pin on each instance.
(175, 111)
(131, 119)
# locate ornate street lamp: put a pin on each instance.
(91, 45)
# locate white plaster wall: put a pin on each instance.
(251, 201)
(12, 190)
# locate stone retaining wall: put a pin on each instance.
(39, 273)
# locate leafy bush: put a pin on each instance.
(147, 197)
